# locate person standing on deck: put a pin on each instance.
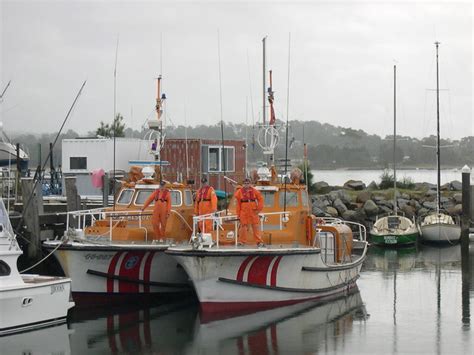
(249, 205)
(161, 210)
(206, 202)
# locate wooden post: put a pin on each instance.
(32, 209)
(465, 224)
(105, 190)
(466, 205)
(72, 198)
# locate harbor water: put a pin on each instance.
(416, 300)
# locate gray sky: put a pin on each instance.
(341, 70)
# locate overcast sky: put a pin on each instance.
(341, 62)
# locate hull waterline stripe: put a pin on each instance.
(288, 289)
(29, 326)
(131, 280)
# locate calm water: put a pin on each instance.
(339, 177)
(409, 301)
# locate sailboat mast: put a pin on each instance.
(438, 143)
(394, 139)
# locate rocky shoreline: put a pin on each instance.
(360, 203)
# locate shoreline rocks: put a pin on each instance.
(363, 205)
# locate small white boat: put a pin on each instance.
(27, 301)
(440, 228)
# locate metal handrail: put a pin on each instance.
(219, 218)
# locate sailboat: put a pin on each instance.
(394, 230)
(439, 227)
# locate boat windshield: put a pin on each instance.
(125, 197)
(268, 198)
(304, 198)
(142, 196)
(188, 198)
(291, 198)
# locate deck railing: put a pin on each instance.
(219, 219)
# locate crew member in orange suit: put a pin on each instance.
(249, 205)
(206, 202)
(161, 209)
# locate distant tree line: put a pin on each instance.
(328, 146)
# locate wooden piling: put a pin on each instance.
(72, 197)
(32, 208)
(465, 225)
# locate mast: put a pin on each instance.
(264, 81)
(438, 155)
(394, 139)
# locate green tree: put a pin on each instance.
(118, 127)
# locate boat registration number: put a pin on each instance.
(390, 239)
(57, 288)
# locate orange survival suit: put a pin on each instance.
(206, 202)
(249, 205)
(161, 210)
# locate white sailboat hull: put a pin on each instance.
(40, 301)
(441, 233)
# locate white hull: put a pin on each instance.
(440, 233)
(119, 269)
(232, 278)
(39, 302)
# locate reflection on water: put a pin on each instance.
(410, 301)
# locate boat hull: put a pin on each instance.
(392, 239)
(440, 233)
(235, 280)
(41, 301)
(118, 271)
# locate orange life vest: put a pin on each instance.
(164, 195)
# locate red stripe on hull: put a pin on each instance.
(130, 268)
(273, 280)
(259, 270)
(112, 265)
(240, 273)
(146, 276)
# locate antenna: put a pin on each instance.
(287, 114)
(115, 115)
(224, 155)
(4, 90)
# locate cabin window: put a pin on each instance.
(304, 198)
(143, 195)
(4, 268)
(220, 159)
(291, 198)
(213, 159)
(125, 197)
(268, 198)
(78, 163)
(188, 198)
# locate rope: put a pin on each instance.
(39, 262)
